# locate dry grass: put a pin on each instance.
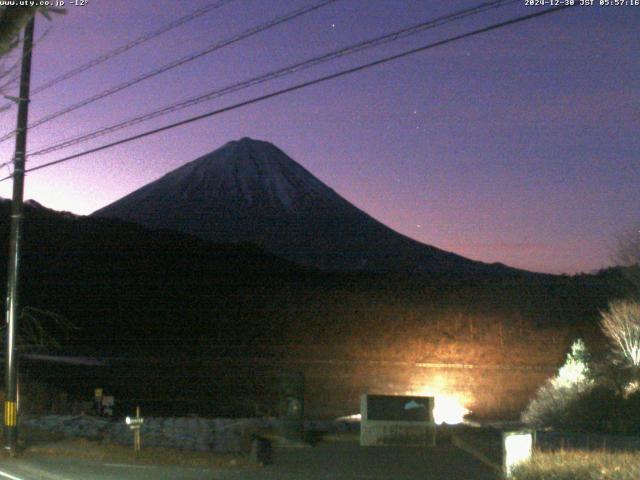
(580, 465)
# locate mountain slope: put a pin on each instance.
(249, 191)
(224, 320)
(128, 288)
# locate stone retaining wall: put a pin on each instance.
(190, 433)
(221, 435)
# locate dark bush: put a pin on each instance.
(630, 417)
(598, 409)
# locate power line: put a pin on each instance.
(176, 63)
(300, 86)
(119, 50)
(278, 73)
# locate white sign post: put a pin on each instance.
(517, 447)
(135, 424)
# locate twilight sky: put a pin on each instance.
(521, 145)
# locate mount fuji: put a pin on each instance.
(250, 191)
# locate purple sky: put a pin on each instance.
(519, 146)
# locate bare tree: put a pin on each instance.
(40, 330)
(627, 255)
(621, 324)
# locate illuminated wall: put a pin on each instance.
(334, 389)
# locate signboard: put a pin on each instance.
(97, 400)
(107, 405)
(397, 420)
(399, 408)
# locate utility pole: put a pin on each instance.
(13, 304)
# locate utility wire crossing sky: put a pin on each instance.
(292, 89)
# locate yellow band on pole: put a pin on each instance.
(10, 413)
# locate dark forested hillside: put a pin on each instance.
(135, 292)
(120, 282)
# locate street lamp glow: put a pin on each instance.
(448, 409)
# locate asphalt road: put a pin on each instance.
(330, 461)
(56, 468)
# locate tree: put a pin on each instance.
(575, 370)
(12, 21)
(39, 333)
(552, 404)
(629, 248)
(627, 255)
(621, 325)
(40, 330)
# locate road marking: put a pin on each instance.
(125, 465)
(9, 476)
(38, 472)
(128, 465)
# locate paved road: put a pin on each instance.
(330, 461)
(56, 468)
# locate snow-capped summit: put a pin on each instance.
(250, 191)
(247, 173)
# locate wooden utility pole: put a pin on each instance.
(13, 304)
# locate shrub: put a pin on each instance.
(583, 405)
(548, 407)
(551, 405)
